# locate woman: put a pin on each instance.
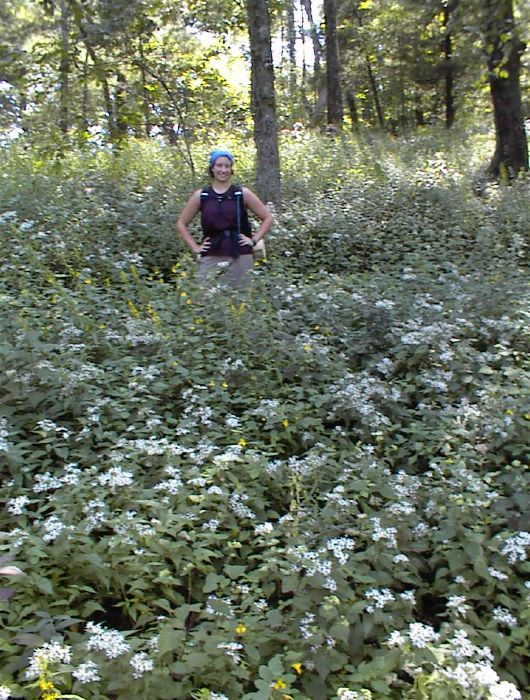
(226, 233)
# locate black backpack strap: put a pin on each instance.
(205, 194)
(238, 194)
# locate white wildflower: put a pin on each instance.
(346, 694)
(384, 533)
(380, 598)
(238, 506)
(457, 603)
(211, 524)
(232, 650)
(515, 547)
(49, 653)
(16, 506)
(141, 664)
(504, 691)
(339, 547)
(396, 639)
(504, 617)
(110, 642)
(53, 527)
(116, 477)
(400, 559)
(86, 673)
(306, 624)
(494, 573)
(232, 422)
(46, 482)
(408, 597)
(4, 432)
(420, 635)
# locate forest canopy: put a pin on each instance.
(101, 70)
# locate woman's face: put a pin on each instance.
(222, 168)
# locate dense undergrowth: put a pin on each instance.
(318, 489)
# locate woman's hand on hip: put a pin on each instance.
(245, 240)
(205, 246)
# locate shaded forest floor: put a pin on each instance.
(316, 489)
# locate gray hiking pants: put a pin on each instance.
(233, 271)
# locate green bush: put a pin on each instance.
(317, 489)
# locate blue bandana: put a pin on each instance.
(214, 155)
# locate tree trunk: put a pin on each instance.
(64, 69)
(84, 123)
(332, 64)
(313, 32)
(263, 102)
(448, 69)
(146, 109)
(318, 83)
(120, 104)
(102, 76)
(371, 76)
(352, 109)
(291, 47)
(504, 50)
(167, 125)
(375, 93)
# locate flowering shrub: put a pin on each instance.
(314, 490)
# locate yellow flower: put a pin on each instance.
(241, 629)
(280, 684)
(242, 442)
(225, 385)
(285, 422)
(297, 667)
(183, 294)
(132, 308)
(52, 695)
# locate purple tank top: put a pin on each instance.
(218, 219)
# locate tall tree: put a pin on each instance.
(64, 68)
(333, 69)
(504, 50)
(313, 33)
(263, 102)
(448, 8)
(364, 55)
(317, 81)
(291, 46)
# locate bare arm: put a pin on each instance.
(188, 213)
(256, 206)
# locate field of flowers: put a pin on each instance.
(315, 490)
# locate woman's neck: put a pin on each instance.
(221, 187)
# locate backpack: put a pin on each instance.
(243, 223)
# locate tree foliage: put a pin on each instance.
(96, 72)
